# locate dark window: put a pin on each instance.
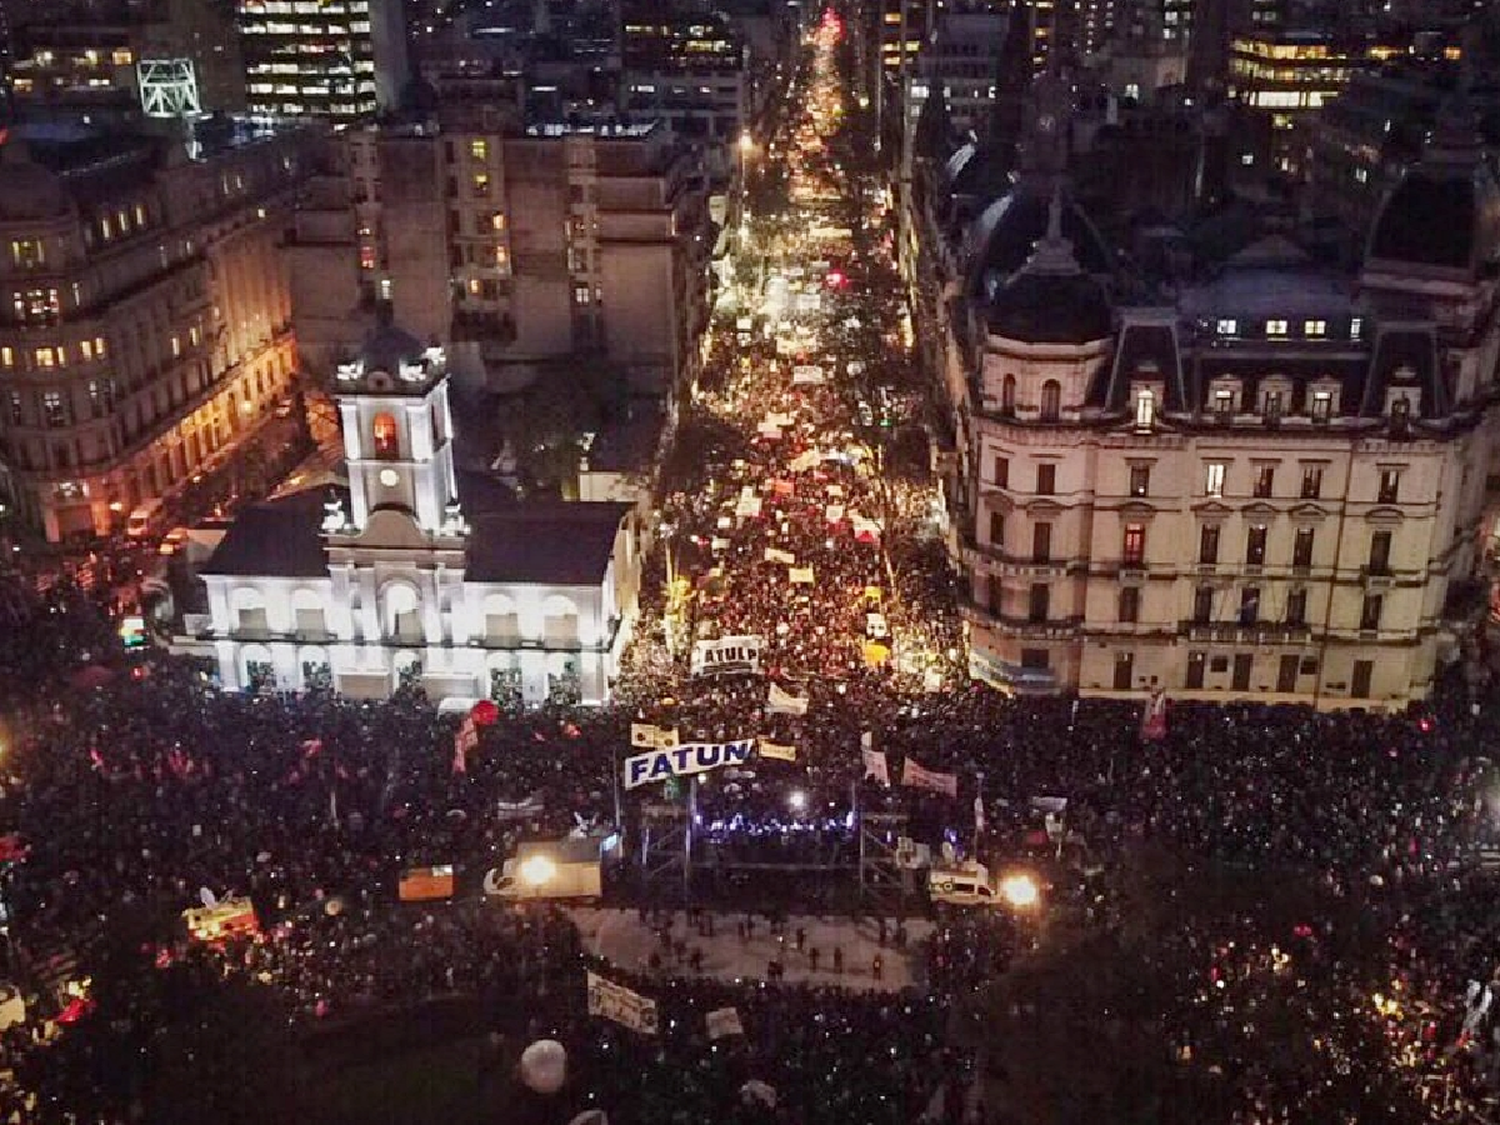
(1272, 406)
(1130, 604)
(1046, 480)
(997, 597)
(1051, 400)
(1034, 658)
(1255, 546)
(1208, 543)
(1002, 472)
(1380, 552)
(1133, 550)
(1296, 607)
(1364, 672)
(1312, 481)
(1195, 670)
(1286, 674)
(1265, 480)
(997, 530)
(1322, 405)
(1302, 547)
(1249, 605)
(387, 439)
(1041, 542)
(1240, 678)
(1369, 613)
(1140, 480)
(1039, 601)
(1124, 670)
(1008, 396)
(1203, 605)
(1400, 411)
(1390, 486)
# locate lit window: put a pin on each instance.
(479, 149)
(176, 345)
(1276, 328)
(1314, 328)
(1145, 409)
(581, 294)
(1322, 405)
(99, 346)
(497, 221)
(194, 336)
(387, 441)
(1228, 327)
(1356, 328)
(1224, 404)
(474, 286)
(502, 258)
(1213, 478)
(367, 257)
(46, 357)
(87, 348)
(481, 182)
(7, 357)
(52, 408)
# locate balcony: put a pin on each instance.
(1233, 633)
(1053, 629)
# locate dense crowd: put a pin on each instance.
(1368, 997)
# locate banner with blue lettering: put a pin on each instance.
(680, 761)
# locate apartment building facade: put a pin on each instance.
(148, 317)
(518, 247)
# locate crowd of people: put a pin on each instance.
(1368, 997)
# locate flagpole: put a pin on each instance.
(979, 817)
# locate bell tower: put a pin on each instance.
(398, 431)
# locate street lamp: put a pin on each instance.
(1020, 891)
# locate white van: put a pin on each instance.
(969, 885)
(143, 519)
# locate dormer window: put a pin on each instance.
(1314, 328)
(1228, 327)
(1145, 409)
(1008, 396)
(1276, 328)
(1400, 410)
(1272, 404)
(1224, 404)
(1356, 328)
(1322, 402)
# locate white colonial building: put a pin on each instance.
(391, 583)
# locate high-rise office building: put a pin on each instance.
(337, 59)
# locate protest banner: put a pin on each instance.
(682, 761)
(727, 656)
(919, 777)
(778, 751)
(779, 701)
(724, 1022)
(622, 1005)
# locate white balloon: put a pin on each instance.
(544, 1066)
(591, 1117)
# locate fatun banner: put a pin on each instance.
(681, 761)
(616, 1002)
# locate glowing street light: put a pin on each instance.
(797, 800)
(538, 871)
(1020, 890)
(747, 143)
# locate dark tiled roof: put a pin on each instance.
(1406, 355)
(1428, 220)
(1146, 351)
(1011, 227)
(278, 539)
(1051, 308)
(555, 544)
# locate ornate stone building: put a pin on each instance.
(1265, 486)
